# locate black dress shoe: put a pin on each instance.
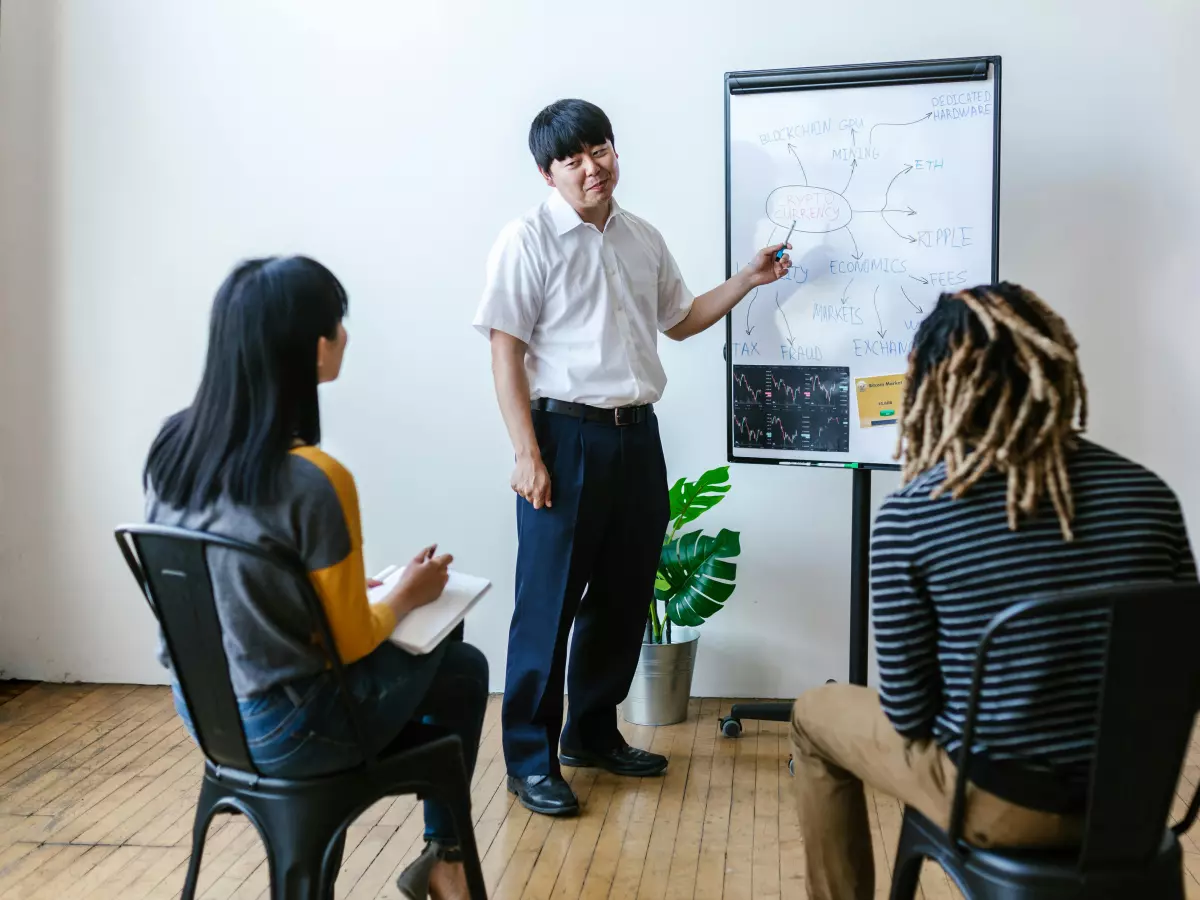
(545, 794)
(624, 760)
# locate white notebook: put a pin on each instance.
(424, 628)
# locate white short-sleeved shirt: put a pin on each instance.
(589, 304)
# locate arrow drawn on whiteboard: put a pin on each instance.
(883, 212)
(853, 166)
(871, 133)
(791, 337)
(852, 133)
(908, 211)
(738, 268)
(802, 172)
(919, 278)
(846, 291)
(749, 306)
(907, 237)
(875, 303)
(857, 254)
(909, 299)
(903, 171)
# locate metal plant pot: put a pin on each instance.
(662, 683)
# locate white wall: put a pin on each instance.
(146, 146)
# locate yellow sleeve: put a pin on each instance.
(358, 626)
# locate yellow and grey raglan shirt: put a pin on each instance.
(268, 637)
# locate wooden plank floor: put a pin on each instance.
(97, 785)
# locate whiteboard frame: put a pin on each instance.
(971, 68)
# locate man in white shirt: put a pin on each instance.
(577, 291)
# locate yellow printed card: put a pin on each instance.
(878, 399)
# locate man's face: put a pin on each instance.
(587, 179)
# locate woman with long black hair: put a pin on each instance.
(243, 461)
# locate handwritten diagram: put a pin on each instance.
(814, 209)
(887, 193)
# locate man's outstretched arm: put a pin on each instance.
(710, 308)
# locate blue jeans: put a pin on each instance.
(301, 729)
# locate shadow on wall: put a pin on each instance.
(1098, 269)
(28, 283)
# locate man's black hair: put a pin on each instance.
(565, 128)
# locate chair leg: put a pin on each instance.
(906, 872)
(296, 872)
(296, 849)
(330, 874)
(905, 876)
(458, 798)
(199, 829)
(205, 806)
(476, 887)
(445, 778)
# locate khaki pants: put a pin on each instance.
(841, 739)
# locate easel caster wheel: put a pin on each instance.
(731, 728)
(792, 766)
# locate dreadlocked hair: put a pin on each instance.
(993, 383)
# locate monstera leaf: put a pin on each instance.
(691, 498)
(696, 576)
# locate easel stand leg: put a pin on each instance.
(860, 569)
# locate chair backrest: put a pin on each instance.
(171, 566)
(1145, 712)
(1147, 709)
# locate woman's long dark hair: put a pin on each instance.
(258, 394)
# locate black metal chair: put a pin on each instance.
(302, 821)
(1146, 709)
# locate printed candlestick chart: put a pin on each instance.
(792, 407)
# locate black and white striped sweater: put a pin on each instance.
(942, 569)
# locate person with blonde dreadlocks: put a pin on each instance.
(1000, 498)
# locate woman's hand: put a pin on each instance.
(423, 581)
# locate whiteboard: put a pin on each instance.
(892, 189)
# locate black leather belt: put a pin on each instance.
(620, 416)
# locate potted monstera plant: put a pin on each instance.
(695, 579)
